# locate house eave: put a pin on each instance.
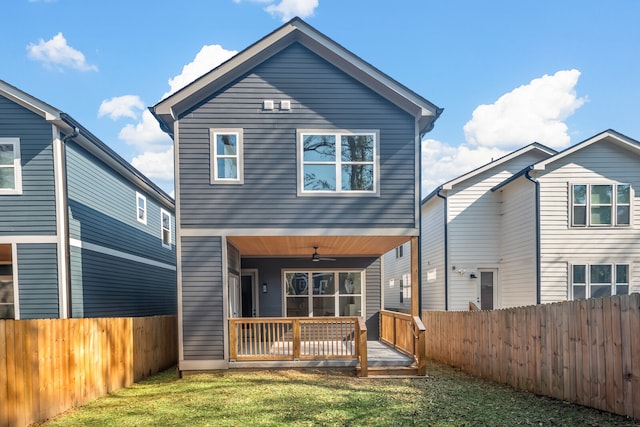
(171, 108)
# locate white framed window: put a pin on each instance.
(338, 162)
(600, 205)
(8, 297)
(141, 208)
(321, 293)
(400, 251)
(226, 156)
(165, 225)
(10, 166)
(599, 280)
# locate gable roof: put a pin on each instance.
(514, 154)
(171, 108)
(68, 126)
(609, 134)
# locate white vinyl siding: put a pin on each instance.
(433, 262)
(518, 245)
(394, 269)
(563, 245)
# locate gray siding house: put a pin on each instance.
(297, 167)
(82, 233)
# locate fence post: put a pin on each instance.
(233, 339)
(362, 347)
(296, 339)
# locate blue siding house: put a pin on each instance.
(297, 168)
(82, 233)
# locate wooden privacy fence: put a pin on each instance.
(585, 352)
(48, 366)
(405, 333)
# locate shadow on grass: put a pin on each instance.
(446, 397)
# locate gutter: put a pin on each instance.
(446, 249)
(527, 175)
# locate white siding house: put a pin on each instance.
(589, 234)
(397, 279)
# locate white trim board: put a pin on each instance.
(112, 252)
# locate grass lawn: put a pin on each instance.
(446, 397)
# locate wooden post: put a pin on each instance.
(362, 347)
(233, 339)
(421, 351)
(296, 339)
(415, 280)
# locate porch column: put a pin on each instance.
(415, 280)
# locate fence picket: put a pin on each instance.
(580, 351)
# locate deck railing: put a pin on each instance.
(295, 338)
(406, 334)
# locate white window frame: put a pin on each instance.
(588, 205)
(399, 251)
(14, 278)
(17, 166)
(141, 197)
(164, 213)
(239, 156)
(336, 295)
(587, 283)
(338, 134)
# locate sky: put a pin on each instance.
(507, 73)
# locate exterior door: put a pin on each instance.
(249, 293)
(234, 296)
(487, 289)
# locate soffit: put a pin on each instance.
(302, 246)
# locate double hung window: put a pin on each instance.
(226, 156)
(600, 205)
(323, 293)
(165, 226)
(10, 166)
(599, 280)
(338, 162)
(141, 208)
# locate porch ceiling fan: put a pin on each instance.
(316, 256)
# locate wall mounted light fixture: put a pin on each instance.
(473, 276)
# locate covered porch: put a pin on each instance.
(316, 301)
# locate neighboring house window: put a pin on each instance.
(226, 155)
(599, 280)
(141, 208)
(166, 228)
(401, 291)
(323, 293)
(600, 205)
(10, 166)
(338, 162)
(400, 251)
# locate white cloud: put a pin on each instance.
(155, 165)
(442, 162)
(532, 112)
(121, 106)
(287, 9)
(146, 135)
(57, 54)
(209, 57)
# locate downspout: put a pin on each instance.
(446, 251)
(537, 202)
(72, 135)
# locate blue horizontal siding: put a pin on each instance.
(322, 97)
(103, 210)
(107, 286)
(202, 298)
(38, 280)
(33, 211)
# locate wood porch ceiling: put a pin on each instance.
(302, 246)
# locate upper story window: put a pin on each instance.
(165, 219)
(226, 156)
(141, 208)
(338, 162)
(600, 205)
(599, 280)
(10, 166)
